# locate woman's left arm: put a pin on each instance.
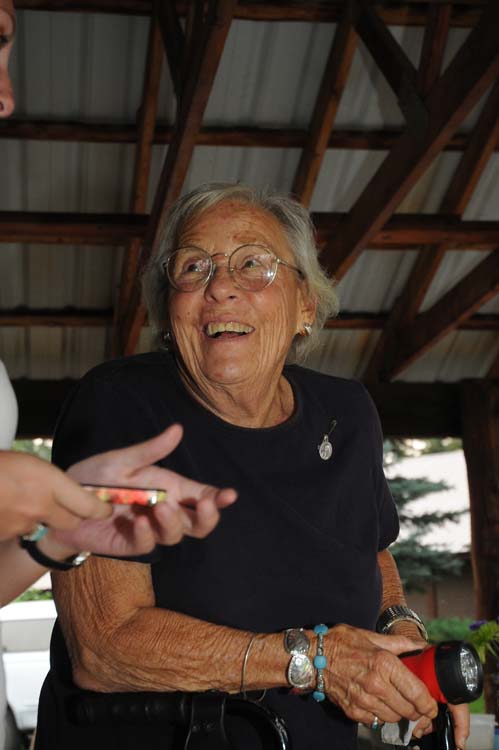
(393, 593)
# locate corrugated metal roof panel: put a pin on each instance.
(343, 353)
(460, 355)
(454, 267)
(72, 66)
(375, 280)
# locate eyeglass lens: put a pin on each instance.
(252, 267)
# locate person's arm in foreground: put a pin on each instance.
(393, 593)
(125, 643)
(33, 491)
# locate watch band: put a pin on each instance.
(399, 613)
(38, 556)
(300, 671)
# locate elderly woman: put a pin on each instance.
(291, 573)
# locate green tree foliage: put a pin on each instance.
(448, 629)
(419, 564)
(40, 447)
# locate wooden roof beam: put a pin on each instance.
(362, 321)
(220, 136)
(402, 231)
(416, 231)
(475, 158)
(70, 228)
(433, 48)
(70, 317)
(408, 13)
(173, 41)
(326, 107)
(458, 194)
(142, 169)
(393, 62)
(458, 304)
(457, 91)
(196, 91)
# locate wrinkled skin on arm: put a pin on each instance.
(125, 643)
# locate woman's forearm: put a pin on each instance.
(132, 645)
(393, 593)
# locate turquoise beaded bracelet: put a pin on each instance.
(320, 662)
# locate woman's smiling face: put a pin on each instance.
(7, 28)
(262, 324)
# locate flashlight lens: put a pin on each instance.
(469, 669)
(458, 670)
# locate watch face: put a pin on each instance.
(296, 641)
(301, 672)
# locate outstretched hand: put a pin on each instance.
(190, 508)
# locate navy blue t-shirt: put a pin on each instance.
(297, 548)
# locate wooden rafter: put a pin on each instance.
(173, 41)
(22, 317)
(434, 43)
(475, 158)
(465, 80)
(142, 170)
(398, 70)
(405, 231)
(328, 100)
(196, 90)
(219, 136)
(455, 200)
(360, 321)
(69, 317)
(70, 228)
(402, 231)
(458, 304)
(408, 13)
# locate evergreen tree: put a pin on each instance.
(419, 563)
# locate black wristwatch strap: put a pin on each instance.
(399, 613)
(37, 555)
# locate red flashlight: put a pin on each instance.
(451, 671)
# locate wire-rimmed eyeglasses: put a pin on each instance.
(252, 267)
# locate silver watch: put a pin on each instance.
(399, 613)
(301, 671)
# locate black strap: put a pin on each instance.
(37, 555)
(201, 714)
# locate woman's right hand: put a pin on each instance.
(366, 679)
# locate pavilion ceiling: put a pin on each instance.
(449, 103)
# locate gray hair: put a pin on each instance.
(297, 227)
